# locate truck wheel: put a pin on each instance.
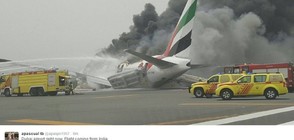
(33, 92)
(270, 93)
(199, 93)
(226, 94)
(40, 92)
(7, 92)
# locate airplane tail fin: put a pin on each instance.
(181, 38)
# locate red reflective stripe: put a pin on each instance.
(212, 88)
(244, 89)
(248, 89)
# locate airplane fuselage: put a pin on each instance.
(157, 76)
(145, 74)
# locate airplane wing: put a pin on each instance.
(94, 79)
(10, 66)
(157, 62)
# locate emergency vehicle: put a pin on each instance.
(35, 83)
(269, 85)
(287, 69)
(207, 88)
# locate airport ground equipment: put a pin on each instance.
(199, 89)
(269, 85)
(35, 83)
(287, 69)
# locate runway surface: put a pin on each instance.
(144, 107)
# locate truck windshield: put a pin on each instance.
(61, 81)
(245, 79)
(213, 79)
(2, 79)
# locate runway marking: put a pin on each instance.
(247, 117)
(48, 122)
(118, 96)
(237, 104)
(288, 123)
(189, 121)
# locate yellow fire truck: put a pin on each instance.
(35, 83)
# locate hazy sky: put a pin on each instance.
(33, 29)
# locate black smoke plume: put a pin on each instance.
(226, 31)
(149, 33)
(277, 15)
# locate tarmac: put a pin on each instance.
(144, 107)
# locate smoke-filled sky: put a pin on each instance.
(225, 31)
(34, 29)
(244, 31)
